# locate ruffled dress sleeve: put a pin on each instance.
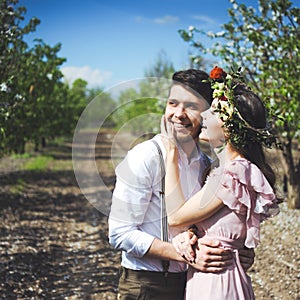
(245, 189)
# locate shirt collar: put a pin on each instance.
(196, 154)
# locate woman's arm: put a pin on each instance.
(201, 206)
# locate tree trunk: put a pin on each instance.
(293, 195)
(291, 171)
(20, 148)
(43, 142)
(36, 146)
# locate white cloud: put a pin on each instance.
(95, 78)
(139, 19)
(166, 20)
(206, 20)
(161, 21)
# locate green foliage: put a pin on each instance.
(162, 67)
(102, 106)
(20, 156)
(139, 109)
(29, 82)
(266, 44)
(38, 163)
(18, 187)
(35, 105)
(140, 116)
(11, 47)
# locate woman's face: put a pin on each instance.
(212, 130)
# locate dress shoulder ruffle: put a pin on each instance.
(245, 189)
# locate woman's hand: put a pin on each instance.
(168, 135)
(210, 258)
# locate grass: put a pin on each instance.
(20, 156)
(41, 161)
(52, 158)
(38, 163)
(18, 187)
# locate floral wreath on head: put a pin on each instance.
(240, 131)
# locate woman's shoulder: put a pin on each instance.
(244, 171)
(241, 165)
(238, 168)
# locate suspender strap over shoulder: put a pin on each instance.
(164, 219)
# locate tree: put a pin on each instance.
(162, 67)
(29, 81)
(102, 106)
(39, 79)
(142, 107)
(266, 44)
(35, 104)
(12, 47)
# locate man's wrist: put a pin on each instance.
(193, 228)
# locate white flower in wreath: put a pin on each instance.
(224, 108)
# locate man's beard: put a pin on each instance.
(186, 138)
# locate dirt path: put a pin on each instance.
(54, 245)
(53, 241)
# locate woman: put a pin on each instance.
(237, 195)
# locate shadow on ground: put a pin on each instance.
(53, 242)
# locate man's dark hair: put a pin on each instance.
(196, 81)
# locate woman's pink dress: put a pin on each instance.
(248, 199)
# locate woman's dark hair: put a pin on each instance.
(196, 81)
(253, 111)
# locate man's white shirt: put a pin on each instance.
(134, 219)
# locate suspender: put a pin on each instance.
(164, 219)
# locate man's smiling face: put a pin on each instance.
(183, 110)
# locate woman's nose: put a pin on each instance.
(204, 113)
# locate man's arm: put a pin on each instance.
(204, 255)
(210, 258)
(164, 251)
(130, 202)
(246, 256)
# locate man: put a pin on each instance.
(134, 222)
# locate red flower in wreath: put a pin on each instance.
(223, 98)
(217, 73)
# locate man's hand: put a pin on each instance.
(183, 243)
(210, 258)
(246, 256)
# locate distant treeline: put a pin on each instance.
(36, 105)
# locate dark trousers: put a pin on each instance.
(147, 285)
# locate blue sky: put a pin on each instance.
(110, 41)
